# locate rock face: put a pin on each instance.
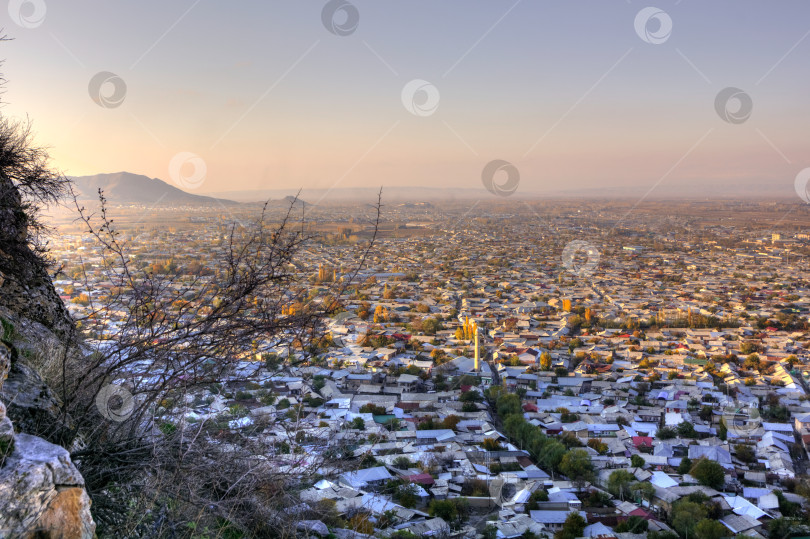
(42, 494)
(41, 491)
(25, 286)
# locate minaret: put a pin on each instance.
(477, 353)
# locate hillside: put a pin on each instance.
(124, 188)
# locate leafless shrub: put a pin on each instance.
(175, 341)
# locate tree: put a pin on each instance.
(685, 466)
(406, 495)
(709, 473)
(572, 528)
(597, 445)
(551, 454)
(430, 326)
(636, 461)
(471, 396)
(545, 361)
(454, 511)
(619, 483)
(710, 529)
(358, 423)
(576, 464)
(403, 463)
(633, 524)
(779, 528)
(508, 404)
(235, 316)
(538, 495)
(666, 433)
(686, 430)
(745, 453)
(706, 413)
(685, 516)
(642, 490)
(469, 407)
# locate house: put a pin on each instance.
(407, 382)
(518, 526)
(801, 423)
(715, 453)
(553, 520)
(366, 478)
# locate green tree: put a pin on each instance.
(636, 461)
(633, 524)
(779, 528)
(685, 516)
(686, 430)
(666, 433)
(619, 483)
(358, 423)
(454, 511)
(538, 495)
(406, 495)
(469, 407)
(745, 453)
(508, 404)
(471, 396)
(705, 413)
(710, 529)
(403, 463)
(551, 454)
(709, 473)
(685, 466)
(576, 464)
(643, 490)
(572, 528)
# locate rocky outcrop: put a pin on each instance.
(25, 286)
(31, 404)
(41, 492)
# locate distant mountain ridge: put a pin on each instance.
(757, 188)
(128, 188)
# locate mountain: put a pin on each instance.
(128, 188)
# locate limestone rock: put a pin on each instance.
(31, 404)
(42, 492)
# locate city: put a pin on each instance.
(458, 346)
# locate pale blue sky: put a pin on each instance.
(268, 98)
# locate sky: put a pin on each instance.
(584, 95)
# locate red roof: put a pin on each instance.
(408, 405)
(640, 513)
(529, 407)
(465, 389)
(642, 440)
(421, 478)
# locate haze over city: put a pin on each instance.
(569, 93)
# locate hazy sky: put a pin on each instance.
(267, 97)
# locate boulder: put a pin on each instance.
(42, 493)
